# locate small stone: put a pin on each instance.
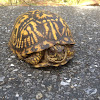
(47, 72)
(15, 70)
(17, 95)
(49, 88)
(82, 42)
(12, 56)
(29, 74)
(90, 91)
(72, 86)
(65, 81)
(20, 98)
(96, 65)
(9, 59)
(90, 38)
(11, 65)
(2, 78)
(39, 96)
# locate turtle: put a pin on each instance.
(42, 38)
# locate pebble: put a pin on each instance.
(12, 65)
(12, 56)
(9, 59)
(20, 98)
(49, 88)
(15, 70)
(2, 78)
(17, 95)
(65, 81)
(90, 91)
(39, 95)
(29, 74)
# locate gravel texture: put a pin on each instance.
(79, 79)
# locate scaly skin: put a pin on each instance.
(61, 56)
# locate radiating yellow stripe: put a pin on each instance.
(18, 43)
(22, 44)
(57, 28)
(66, 39)
(53, 31)
(28, 40)
(32, 40)
(43, 16)
(25, 42)
(31, 32)
(35, 29)
(34, 36)
(46, 28)
(61, 20)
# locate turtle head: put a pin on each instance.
(56, 54)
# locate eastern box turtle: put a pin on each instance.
(42, 39)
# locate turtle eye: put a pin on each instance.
(52, 49)
(51, 52)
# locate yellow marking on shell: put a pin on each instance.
(23, 20)
(33, 11)
(24, 32)
(46, 28)
(32, 40)
(16, 27)
(46, 42)
(38, 47)
(23, 53)
(43, 16)
(72, 40)
(12, 39)
(18, 43)
(25, 40)
(38, 21)
(28, 28)
(22, 44)
(63, 42)
(49, 35)
(56, 19)
(28, 40)
(52, 19)
(48, 20)
(68, 32)
(28, 50)
(44, 21)
(65, 38)
(31, 32)
(19, 55)
(20, 20)
(35, 29)
(53, 31)
(62, 21)
(20, 40)
(63, 30)
(34, 36)
(57, 28)
(25, 17)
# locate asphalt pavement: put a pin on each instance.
(79, 79)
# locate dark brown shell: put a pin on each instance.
(37, 30)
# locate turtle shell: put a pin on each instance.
(37, 30)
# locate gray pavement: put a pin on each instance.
(79, 79)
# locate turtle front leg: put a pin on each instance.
(34, 58)
(43, 64)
